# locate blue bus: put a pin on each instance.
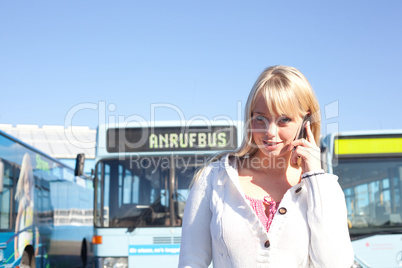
(142, 178)
(46, 212)
(369, 167)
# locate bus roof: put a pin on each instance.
(33, 149)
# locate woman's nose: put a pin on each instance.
(272, 129)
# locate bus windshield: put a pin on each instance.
(372, 188)
(143, 191)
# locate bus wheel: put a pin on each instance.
(84, 253)
(28, 258)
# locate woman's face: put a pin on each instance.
(272, 134)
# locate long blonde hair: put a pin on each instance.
(286, 91)
(26, 171)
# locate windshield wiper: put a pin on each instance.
(142, 215)
(147, 210)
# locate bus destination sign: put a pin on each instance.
(205, 138)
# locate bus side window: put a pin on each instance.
(1, 175)
(6, 196)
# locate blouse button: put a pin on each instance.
(298, 190)
(267, 244)
(282, 210)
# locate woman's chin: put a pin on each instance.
(276, 153)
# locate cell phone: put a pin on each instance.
(303, 132)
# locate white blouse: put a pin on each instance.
(309, 228)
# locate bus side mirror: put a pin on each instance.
(79, 165)
(1, 175)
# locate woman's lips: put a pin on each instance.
(271, 145)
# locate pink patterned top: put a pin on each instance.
(265, 209)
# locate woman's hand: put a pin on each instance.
(308, 151)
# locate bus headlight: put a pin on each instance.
(115, 262)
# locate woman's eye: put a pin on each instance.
(284, 120)
(260, 119)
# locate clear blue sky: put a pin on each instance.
(65, 60)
